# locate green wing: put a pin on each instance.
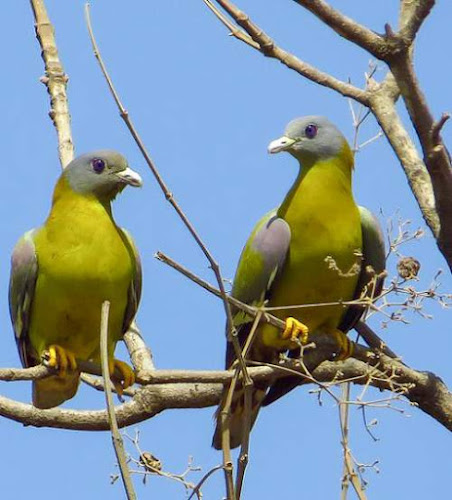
(262, 259)
(374, 261)
(134, 293)
(24, 272)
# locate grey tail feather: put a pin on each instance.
(236, 417)
(54, 390)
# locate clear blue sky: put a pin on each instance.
(207, 106)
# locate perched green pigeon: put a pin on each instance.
(63, 271)
(315, 248)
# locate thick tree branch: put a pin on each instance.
(436, 156)
(426, 390)
(413, 14)
(382, 103)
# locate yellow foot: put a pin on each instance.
(61, 359)
(345, 345)
(121, 374)
(295, 331)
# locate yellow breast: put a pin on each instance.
(324, 221)
(82, 261)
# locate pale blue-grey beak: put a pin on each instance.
(281, 144)
(129, 176)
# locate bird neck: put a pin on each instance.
(63, 193)
(77, 213)
(320, 182)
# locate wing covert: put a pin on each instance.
(24, 272)
(260, 263)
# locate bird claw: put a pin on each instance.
(61, 359)
(124, 376)
(345, 344)
(295, 331)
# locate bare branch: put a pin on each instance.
(373, 340)
(252, 311)
(349, 474)
(382, 102)
(347, 27)
(116, 438)
(140, 353)
(234, 31)
(424, 389)
(55, 80)
(168, 194)
(267, 47)
(413, 14)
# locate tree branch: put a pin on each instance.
(118, 444)
(426, 390)
(412, 16)
(347, 28)
(55, 80)
(268, 48)
(168, 194)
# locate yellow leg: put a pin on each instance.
(345, 345)
(295, 331)
(61, 359)
(121, 374)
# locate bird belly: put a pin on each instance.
(73, 281)
(310, 277)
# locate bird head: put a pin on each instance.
(102, 173)
(311, 139)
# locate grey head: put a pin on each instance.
(310, 138)
(103, 173)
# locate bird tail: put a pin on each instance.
(236, 419)
(54, 390)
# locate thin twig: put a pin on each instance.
(237, 33)
(248, 400)
(252, 311)
(55, 80)
(349, 473)
(344, 413)
(168, 194)
(196, 489)
(364, 330)
(115, 434)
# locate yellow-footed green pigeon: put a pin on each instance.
(315, 248)
(62, 272)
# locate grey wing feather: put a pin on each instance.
(24, 272)
(374, 256)
(268, 246)
(134, 293)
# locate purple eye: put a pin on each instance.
(98, 165)
(310, 131)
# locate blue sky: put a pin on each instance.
(206, 107)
